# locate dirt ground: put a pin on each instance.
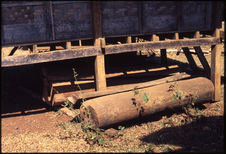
(28, 125)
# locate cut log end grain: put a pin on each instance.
(112, 109)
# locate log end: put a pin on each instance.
(89, 116)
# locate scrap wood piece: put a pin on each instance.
(78, 96)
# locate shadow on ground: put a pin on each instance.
(21, 86)
(203, 135)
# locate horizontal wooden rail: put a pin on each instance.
(111, 49)
(50, 56)
(108, 49)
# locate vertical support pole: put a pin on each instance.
(216, 68)
(177, 37)
(129, 39)
(155, 37)
(99, 64)
(34, 48)
(52, 47)
(80, 42)
(197, 34)
(163, 57)
(68, 45)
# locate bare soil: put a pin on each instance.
(29, 125)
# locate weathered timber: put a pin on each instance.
(35, 48)
(190, 58)
(163, 57)
(68, 45)
(129, 39)
(75, 97)
(50, 56)
(197, 34)
(113, 109)
(216, 68)
(99, 64)
(202, 59)
(111, 49)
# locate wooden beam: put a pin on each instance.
(111, 49)
(216, 68)
(190, 58)
(13, 51)
(99, 64)
(202, 59)
(50, 56)
(75, 97)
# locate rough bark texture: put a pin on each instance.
(107, 110)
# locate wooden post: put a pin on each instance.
(68, 45)
(129, 39)
(80, 42)
(155, 37)
(197, 34)
(216, 68)
(163, 57)
(34, 48)
(99, 64)
(176, 36)
(52, 47)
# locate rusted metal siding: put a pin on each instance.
(72, 20)
(25, 22)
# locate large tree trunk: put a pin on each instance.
(107, 110)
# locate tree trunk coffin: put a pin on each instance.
(108, 110)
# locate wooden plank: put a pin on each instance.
(111, 49)
(202, 59)
(190, 58)
(216, 68)
(50, 56)
(99, 64)
(75, 97)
